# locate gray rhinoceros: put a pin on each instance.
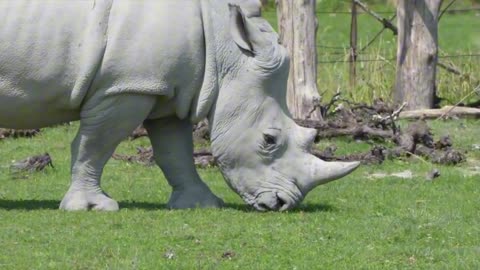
(166, 63)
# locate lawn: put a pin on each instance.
(356, 222)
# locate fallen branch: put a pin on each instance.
(33, 163)
(357, 132)
(417, 140)
(144, 156)
(390, 119)
(374, 156)
(202, 157)
(447, 111)
(17, 133)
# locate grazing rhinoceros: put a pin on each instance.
(166, 63)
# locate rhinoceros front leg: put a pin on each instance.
(172, 143)
(104, 123)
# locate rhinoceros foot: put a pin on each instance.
(88, 200)
(194, 198)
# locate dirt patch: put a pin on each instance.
(17, 133)
(378, 123)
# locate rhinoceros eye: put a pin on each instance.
(270, 144)
(269, 139)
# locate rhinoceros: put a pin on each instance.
(168, 64)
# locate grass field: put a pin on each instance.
(359, 222)
(356, 222)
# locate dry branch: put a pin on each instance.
(447, 111)
(378, 121)
(31, 164)
(416, 140)
(16, 133)
(202, 157)
(144, 156)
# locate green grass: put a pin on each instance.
(458, 35)
(357, 222)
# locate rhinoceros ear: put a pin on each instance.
(245, 34)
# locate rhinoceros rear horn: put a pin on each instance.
(244, 32)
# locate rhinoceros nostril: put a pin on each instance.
(272, 201)
(280, 202)
(262, 206)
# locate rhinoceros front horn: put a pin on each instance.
(321, 172)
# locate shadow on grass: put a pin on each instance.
(29, 204)
(305, 208)
(53, 205)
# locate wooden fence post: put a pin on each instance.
(353, 46)
(297, 25)
(417, 53)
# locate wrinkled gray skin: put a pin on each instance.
(115, 64)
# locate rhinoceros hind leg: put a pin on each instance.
(104, 123)
(172, 143)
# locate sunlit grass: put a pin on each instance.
(359, 222)
(356, 222)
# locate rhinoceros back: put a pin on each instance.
(49, 54)
(55, 54)
(52, 46)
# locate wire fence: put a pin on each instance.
(364, 78)
(346, 50)
(450, 11)
(392, 59)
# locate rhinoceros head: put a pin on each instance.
(262, 153)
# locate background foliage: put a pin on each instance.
(459, 36)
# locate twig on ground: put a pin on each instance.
(391, 118)
(17, 133)
(332, 101)
(33, 163)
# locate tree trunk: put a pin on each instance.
(417, 52)
(298, 27)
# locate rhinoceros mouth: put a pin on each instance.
(278, 193)
(273, 201)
